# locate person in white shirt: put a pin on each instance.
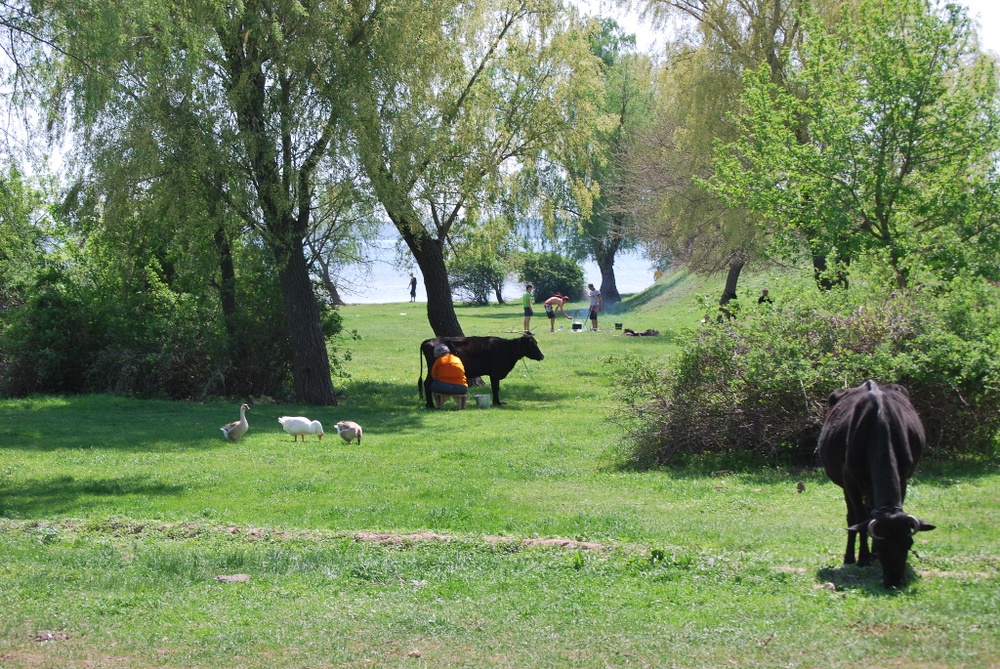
(596, 304)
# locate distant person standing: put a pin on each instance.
(596, 304)
(413, 288)
(526, 303)
(556, 303)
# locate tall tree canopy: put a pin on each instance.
(585, 203)
(247, 110)
(716, 42)
(901, 117)
(232, 109)
(469, 94)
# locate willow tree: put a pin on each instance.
(702, 80)
(475, 92)
(584, 206)
(238, 106)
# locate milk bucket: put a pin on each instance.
(483, 401)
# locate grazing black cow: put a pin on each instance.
(482, 356)
(870, 444)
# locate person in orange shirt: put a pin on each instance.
(448, 377)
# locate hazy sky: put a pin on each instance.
(984, 12)
(987, 14)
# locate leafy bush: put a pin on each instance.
(477, 274)
(480, 262)
(103, 333)
(74, 336)
(760, 384)
(47, 339)
(551, 273)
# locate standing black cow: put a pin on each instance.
(482, 356)
(870, 444)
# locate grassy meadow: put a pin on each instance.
(132, 535)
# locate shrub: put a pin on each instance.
(101, 333)
(476, 274)
(47, 340)
(760, 384)
(551, 273)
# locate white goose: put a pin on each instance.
(233, 431)
(300, 425)
(348, 430)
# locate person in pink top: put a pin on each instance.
(555, 303)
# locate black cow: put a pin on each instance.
(482, 356)
(870, 444)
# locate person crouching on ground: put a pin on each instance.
(555, 303)
(448, 377)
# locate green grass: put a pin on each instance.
(117, 515)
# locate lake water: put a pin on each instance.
(381, 280)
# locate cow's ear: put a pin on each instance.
(919, 525)
(835, 396)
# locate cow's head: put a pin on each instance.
(892, 538)
(529, 348)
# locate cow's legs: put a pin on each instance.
(849, 553)
(495, 386)
(857, 513)
(864, 556)
(427, 392)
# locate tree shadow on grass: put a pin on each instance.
(41, 498)
(125, 425)
(83, 422)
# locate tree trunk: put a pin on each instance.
(609, 284)
(498, 290)
(235, 374)
(333, 295)
(310, 360)
(732, 278)
(729, 292)
(823, 278)
(429, 255)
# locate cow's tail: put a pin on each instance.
(420, 379)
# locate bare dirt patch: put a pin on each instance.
(398, 539)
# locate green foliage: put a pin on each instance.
(759, 384)
(47, 340)
(550, 273)
(476, 278)
(883, 143)
(75, 336)
(480, 263)
(21, 239)
(583, 184)
(142, 324)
